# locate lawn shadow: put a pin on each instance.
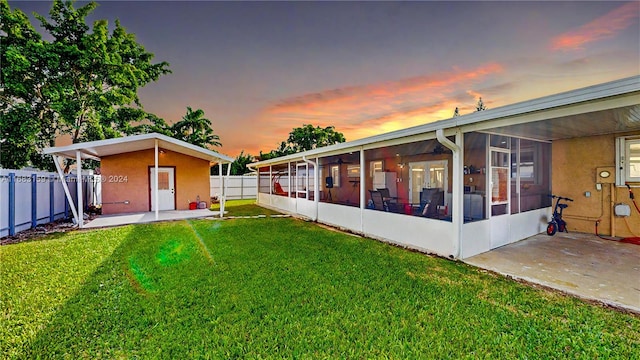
(134, 300)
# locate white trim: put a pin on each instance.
(91, 149)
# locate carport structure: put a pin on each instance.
(140, 173)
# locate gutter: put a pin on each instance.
(457, 206)
(316, 184)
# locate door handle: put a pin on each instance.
(173, 191)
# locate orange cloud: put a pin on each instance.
(347, 95)
(603, 27)
(371, 109)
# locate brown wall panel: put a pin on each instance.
(574, 173)
(126, 178)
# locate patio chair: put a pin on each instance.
(431, 209)
(380, 204)
(386, 194)
(425, 197)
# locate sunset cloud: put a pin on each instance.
(433, 84)
(603, 27)
(371, 109)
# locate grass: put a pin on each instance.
(243, 208)
(279, 287)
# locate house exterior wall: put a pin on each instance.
(574, 173)
(126, 178)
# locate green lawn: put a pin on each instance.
(243, 208)
(279, 287)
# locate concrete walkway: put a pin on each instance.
(579, 264)
(146, 217)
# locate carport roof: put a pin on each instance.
(97, 149)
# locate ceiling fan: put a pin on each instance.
(439, 150)
(338, 162)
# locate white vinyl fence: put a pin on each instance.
(239, 186)
(29, 198)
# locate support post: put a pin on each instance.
(66, 202)
(56, 161)
(221, 187)
(155, 179)
(363, 197)
(52, 204)
(289, 179)
(12, 204)
(34, 200)
(79, 190)
(223, 198)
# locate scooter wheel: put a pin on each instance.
(551, 229)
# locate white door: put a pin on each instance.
(499, 196)
(427, 175)
(166, 188)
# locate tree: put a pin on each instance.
(238, 166)
(305, 138)
(480, 106)
(195, 129)
(80, 83)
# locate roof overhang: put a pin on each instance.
(612, 107)
(95, 150)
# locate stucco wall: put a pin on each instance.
(574, 173)
(126, 178)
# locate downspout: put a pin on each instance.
(457, 211)
(316, 184)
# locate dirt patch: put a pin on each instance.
(58, 226)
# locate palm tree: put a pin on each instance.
(195, 129)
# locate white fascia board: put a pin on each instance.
(90, 149)
(600, 91)
(196, 148)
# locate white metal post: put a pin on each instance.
(56, 161)
(289, 179)
(220, 188)
(155, 179)
(79, 189)
(363, 197)
(223, 199)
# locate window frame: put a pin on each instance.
(623, 165)
(334, 170)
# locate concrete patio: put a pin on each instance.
(579, 264)
(146, 217)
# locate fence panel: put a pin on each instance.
(29, 198)
(238, 187)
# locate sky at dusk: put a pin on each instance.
(259, 69)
